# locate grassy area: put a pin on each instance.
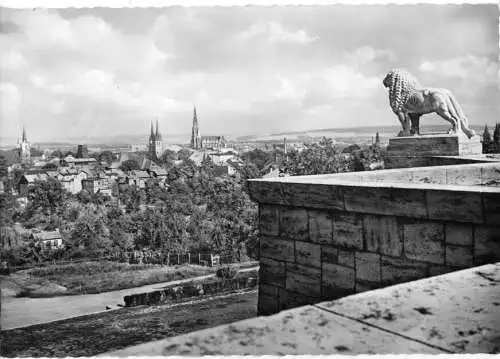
(99, 333)
(97, 277)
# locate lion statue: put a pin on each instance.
(409, 100)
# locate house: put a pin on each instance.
(97, 185)
(71, 178)
(48, 239)
(138, 178)
(159, 174)
(70, 160)
(27, 180)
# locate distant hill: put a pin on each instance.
(347, 132)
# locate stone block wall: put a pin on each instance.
(321, 241)
(430, 150)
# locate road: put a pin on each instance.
(22, 312)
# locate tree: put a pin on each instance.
(57, 153)
(168, 158)
(129, 165)
(3, 167)
(106, 156)
(496, 139)
(317, 158)
(90, 232)
(8, 207)
(184, 154)
(258, 158)
(48, 196)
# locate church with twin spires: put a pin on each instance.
(155, 149)
(199, 142)
(24, 148)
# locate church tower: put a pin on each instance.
(155, 142)
(158, 142)
(195, 132)
(25, 149)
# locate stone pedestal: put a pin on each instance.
(418, 151)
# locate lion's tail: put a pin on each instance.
(459, 114)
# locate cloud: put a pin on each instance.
(367, 54)
(10, 104)
(13, 61)
(246, 68)
(469, 67)
(335, 82)
(274, 32)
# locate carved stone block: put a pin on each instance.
(308, 254)
(269, 220)
(320, 227)
(424, 241)
(303, 279)
(279, 249)
(459, 256)
(461, 206)
(294, 224)
(272, 272)
(382, 234)
(368, 267)
(460, 234)
(347, 230)
(486, 244)
(400, 270)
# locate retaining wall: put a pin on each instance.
(325, 237)
(189, 290)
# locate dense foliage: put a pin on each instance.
(194, 211)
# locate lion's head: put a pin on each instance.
(401, 84)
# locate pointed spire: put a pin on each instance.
(152, 134)
(377, 138)
(486, 134)
(25, 138)
(157, 131)
(195, 117)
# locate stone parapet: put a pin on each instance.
(430, 316)
(325, 237)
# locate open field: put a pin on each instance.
(94, 277)
(99, 333)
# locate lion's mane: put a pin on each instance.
(401, 85)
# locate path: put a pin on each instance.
(21, 312)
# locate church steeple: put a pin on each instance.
(152, 134)
(195, 131)
(25, 138)
(24, 148)
(157, 134)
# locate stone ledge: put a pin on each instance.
(450, 193)
(402, 319)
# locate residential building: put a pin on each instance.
(138, 178)
(97, 185)
(70, 160)
(27, 180)
(71, 178)
(48, 239)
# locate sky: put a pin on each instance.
(111, 71)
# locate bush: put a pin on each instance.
(226, 272)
